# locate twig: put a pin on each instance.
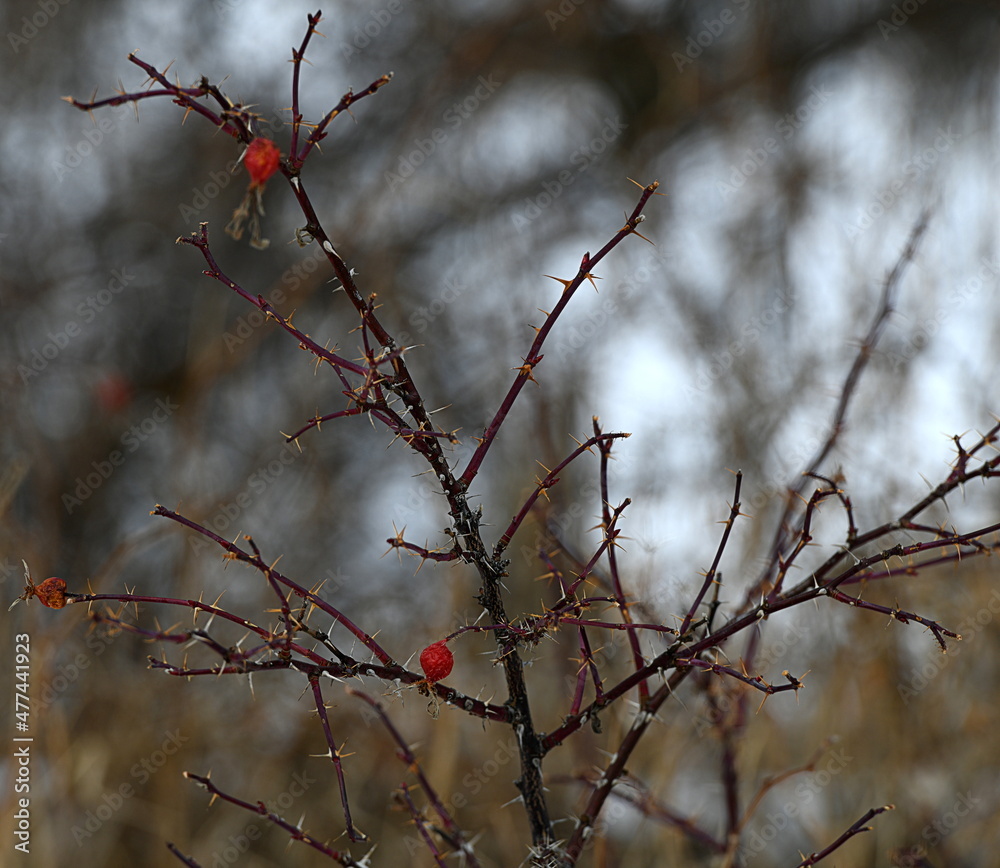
(855, 829)
(294, 832)
(454, 833)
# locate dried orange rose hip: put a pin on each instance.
(436, 660)
(51, 593)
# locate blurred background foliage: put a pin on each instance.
(796, 143)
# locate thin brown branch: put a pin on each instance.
(856, 828)
(295, 833)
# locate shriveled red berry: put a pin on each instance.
(436, 660)
(261, 159)
(52, 593)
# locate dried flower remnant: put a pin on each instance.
(261, 158)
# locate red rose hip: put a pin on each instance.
(261, 159)
(436, 660)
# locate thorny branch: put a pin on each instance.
(661, 657)
(295, 832)
(394, 381)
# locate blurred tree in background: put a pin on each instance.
(797, 144)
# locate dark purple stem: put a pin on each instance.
(534, 356)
